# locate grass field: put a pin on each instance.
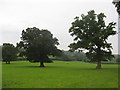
(0, 75)
(74, 74)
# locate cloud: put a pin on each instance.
(54, 15)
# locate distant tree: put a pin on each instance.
(21, 52)
(0, 52)
(118, 59)
(71, 56)
(65, 56)
(9, 52)
(80, 56)
(117, 5)
(38, 45)
(91, 34)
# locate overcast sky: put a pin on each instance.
(54, 15)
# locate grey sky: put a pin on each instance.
(54, 15)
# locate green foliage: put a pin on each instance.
(9, 52)
(117, 5)
(38, 44)
(21, 52)
(118, 59)
(91, 33)
(68, 56)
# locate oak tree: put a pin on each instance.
(9, 52)
(91, 34)
(38, 45)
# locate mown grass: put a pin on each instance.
(74, 74)
(0, 75)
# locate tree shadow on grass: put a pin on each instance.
(71, 68)
(29, 66)
(62, 67)
(94, 69)
(40, 67)
(84, 69)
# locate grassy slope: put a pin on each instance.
(59, 75)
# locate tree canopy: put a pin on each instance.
(117, 5)
(38, 44)
(9, 52)
(91, 33)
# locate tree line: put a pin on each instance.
(90, 33)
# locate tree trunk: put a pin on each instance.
(6, 62)
(99, 65)
(42, 64)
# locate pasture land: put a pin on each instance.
(60, 74)
(0, 75)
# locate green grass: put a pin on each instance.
(74, 74)
(0, 75)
